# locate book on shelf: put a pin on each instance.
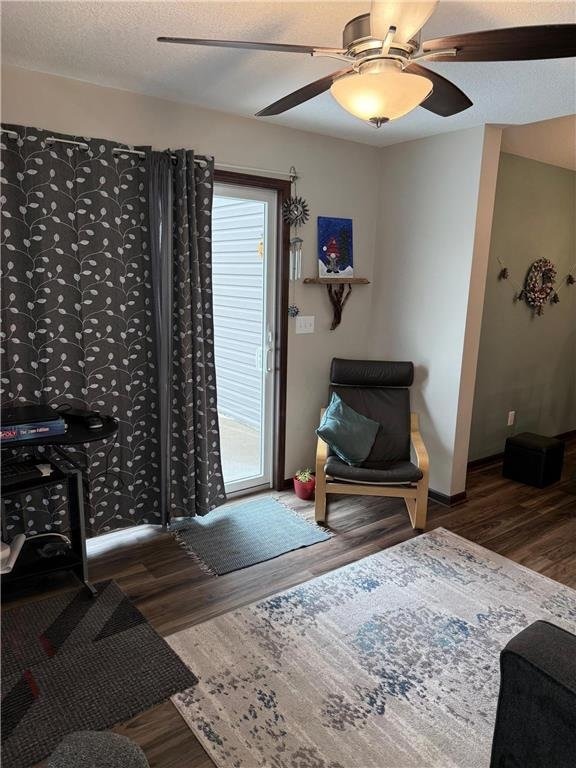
(31, 431)
(29, 422)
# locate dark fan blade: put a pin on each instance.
(278, 47)
(302, 94)
(446, 99)
(553, 41)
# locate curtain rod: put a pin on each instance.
(83, 145)
(140, 153)
(229, 167)
(115, 150)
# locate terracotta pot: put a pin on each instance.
(304, 491)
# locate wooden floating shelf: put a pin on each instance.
(339, 290)
(336, 281)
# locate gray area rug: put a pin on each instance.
(239, 535)
(75, 662)
(391, 662)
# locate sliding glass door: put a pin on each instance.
(244, 258)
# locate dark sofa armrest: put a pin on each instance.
(536, 717)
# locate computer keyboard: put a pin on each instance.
(23, 471)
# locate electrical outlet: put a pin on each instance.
(305, 324)
(511, 418)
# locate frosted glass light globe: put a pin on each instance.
(382, 93)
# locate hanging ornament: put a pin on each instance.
(295, 211)
(296, 258)
(503, 274)
(570, 279)
(555, 299)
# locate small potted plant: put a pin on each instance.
(304, 482)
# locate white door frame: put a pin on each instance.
(267, 357)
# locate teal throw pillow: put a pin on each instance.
(349, 434)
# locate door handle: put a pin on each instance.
(268, 366)
(269, 348)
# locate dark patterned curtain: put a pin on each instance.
(181, 195)
(77, 313)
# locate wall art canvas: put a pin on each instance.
(335, 257)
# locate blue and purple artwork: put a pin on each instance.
(335, 258)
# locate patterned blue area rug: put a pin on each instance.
(391, 662)
(238, 535)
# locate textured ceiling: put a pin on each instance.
(113, 44)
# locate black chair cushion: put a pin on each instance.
(398, 473)
(371, 373)
(391, 409)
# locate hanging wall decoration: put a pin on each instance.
(335, 257)
(296, 258)
(539, 286)
(295, 213)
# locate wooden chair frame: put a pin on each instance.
(415, 495)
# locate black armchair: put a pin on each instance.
(378, 390)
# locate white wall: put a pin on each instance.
(476, 304)
(429, 198)
(338, 178)
(417, 237)
(548, 141)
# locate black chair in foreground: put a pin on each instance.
(379, 391)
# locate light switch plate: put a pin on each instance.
(305, 324)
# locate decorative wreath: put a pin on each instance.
(539, 285)
(295, 211)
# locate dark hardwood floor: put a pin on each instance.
(534, 527)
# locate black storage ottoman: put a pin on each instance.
(533, 459)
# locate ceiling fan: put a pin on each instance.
(383, 80)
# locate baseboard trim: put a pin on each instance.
(447, 501)
(475, 463)
(567, 435)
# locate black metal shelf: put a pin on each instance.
(31, 563)
(27, 486)
(30, 566)
(76, 434)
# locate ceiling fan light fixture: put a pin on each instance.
(408, 18)
(382, 93)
